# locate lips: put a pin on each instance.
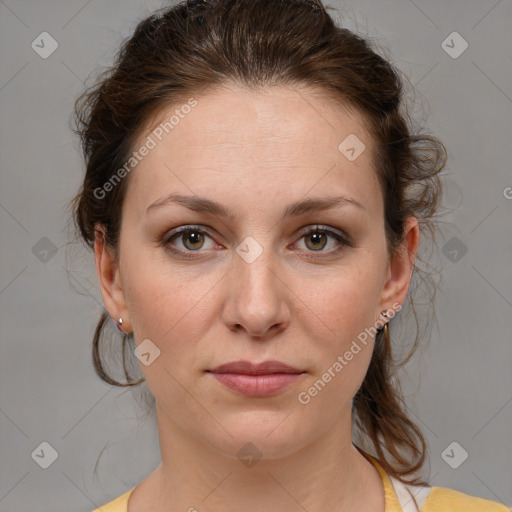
(248, 368)
(256, 380)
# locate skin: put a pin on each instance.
(299, 302)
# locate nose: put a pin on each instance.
(256, 299)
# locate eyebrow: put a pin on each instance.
(204, 205)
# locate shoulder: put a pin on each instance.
(403, 497)
(120, 504)
(441, 499)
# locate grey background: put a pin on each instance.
(459, 385)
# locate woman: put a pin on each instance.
(255, 199)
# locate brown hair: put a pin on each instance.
(197, 45)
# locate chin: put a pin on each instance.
(261, 434)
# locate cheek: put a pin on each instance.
(174, 312)
(167, 306)
(345, 304)
(344, 336)
(343, 352)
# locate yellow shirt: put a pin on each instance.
(397, 498)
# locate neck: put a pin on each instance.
(326, 474)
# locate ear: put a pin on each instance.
(401, 266)
(107, 268)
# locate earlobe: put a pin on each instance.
(401, 266)
(107, 269)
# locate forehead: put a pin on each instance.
(271, 115)
(269, 142)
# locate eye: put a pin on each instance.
(317, 239)
(191, 238)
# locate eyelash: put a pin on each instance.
(170, 237)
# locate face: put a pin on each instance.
(266, 273)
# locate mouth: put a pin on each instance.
(256, 380)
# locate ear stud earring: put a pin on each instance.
(119, 324)
(385, 314)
